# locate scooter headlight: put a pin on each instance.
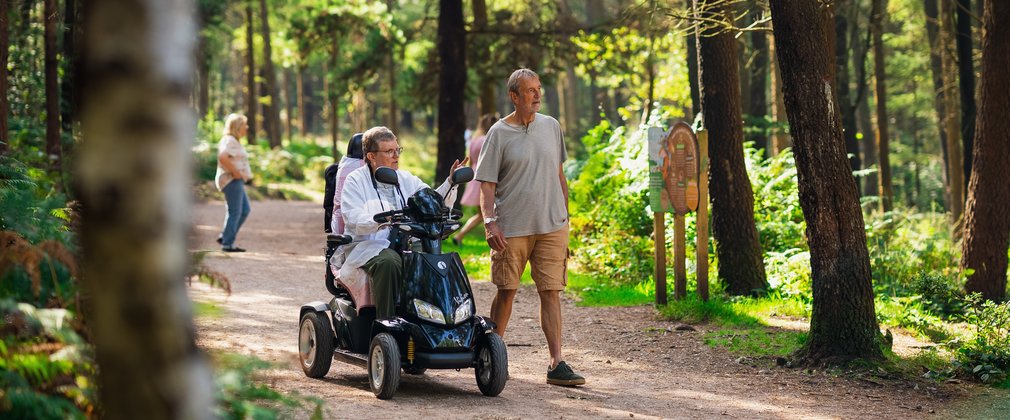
(463, 312)
(428, 311)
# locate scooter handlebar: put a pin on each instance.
(384, 216)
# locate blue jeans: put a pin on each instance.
(236, 211)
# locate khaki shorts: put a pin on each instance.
(547, 254)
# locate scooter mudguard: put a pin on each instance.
(352, 327)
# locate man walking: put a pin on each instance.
(524, 199)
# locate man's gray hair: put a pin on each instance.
(513, 83)
(370, 140)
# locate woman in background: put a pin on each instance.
(471, 196)
(233, 173)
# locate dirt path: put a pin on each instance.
(636, 366)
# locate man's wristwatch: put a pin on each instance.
(490, 219)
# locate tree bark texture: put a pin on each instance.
(886, 190)
(272, 102)
(452, 83)
(966, 75)
(300, 93)
(481, 60)
(780, 139)
(54, 150)
(843, 88)
(134, 189)
(741, 266)
(252, 101)
(955, 167)
(4, 105)
(71, 58)
(843, 325)
(987, 219)
(757, 107)
(936, 65)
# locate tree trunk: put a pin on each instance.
(251, 95)
(936, 65)
(271, 105)
(880, 93)
(452, 82)
(741, 266)
(135, 195)
(966, 74)
(950, 122)
(693, 75)
(54, 150)
(845, 99)
(391, 112)
(780, 140)
(843, 325)
(987, 226)
(71, 57)
(286, 96)
(486, 81)
(4, 105)
(334, 96)
(203, 56)
(757, 108)
(300, 93)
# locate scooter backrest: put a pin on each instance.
(386, 175)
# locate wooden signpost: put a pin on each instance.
(678, 183)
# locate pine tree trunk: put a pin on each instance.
(987, 224)
(286, 97)
(780, 139)
(300, 92)
(936, 65)
(71, 58)
(54, 150)
(880, 92)
(950, 122)
(334, 96)
(757, 108)
(391, 112)
(966, 75)
(845, 99)
(134, 189)
(843, 325)
(272, 104)
(252, 98)
(4, 105)
(486, 81)
(452, 83)
(741, 266)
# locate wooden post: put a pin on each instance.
(679, 255)
(701, 261)
(659, 226)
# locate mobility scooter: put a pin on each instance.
(434, 325)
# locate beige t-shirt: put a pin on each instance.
(239, 157)
(524, 164)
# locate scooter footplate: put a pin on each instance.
(358, 359)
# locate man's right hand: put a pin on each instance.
(495, 237)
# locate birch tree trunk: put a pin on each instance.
(134, 188)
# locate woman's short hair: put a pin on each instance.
(370, 140)
(231, 123)
(513, 83)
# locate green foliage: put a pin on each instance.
(26, 207)
(46, 369)
(610, 222)
(239, 396)
(905, 246)
(986, 354)
(760, 342)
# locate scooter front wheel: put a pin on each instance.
(492, 365)
(384, 366)
(315, 344)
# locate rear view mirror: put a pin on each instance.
(386, 175)
(464, 174)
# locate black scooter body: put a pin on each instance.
(429, 276)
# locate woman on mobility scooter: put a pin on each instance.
(423, 305)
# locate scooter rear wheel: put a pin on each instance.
(315, 344)
(492, 365)
(384, 366)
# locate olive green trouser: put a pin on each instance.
(384, 272)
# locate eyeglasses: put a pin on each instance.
(391, 152)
